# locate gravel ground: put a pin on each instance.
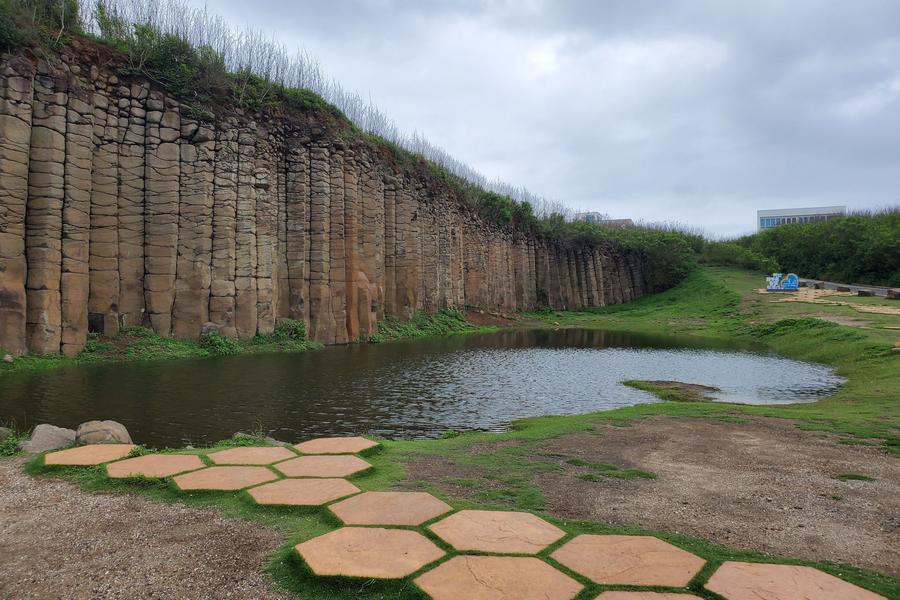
(57, 542)
(764, 485)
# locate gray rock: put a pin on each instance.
(209, 328)
(102, 432)
(5, 432)
(7, 358)
(47, 437)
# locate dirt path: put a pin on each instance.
(764, 486)
(59, 543)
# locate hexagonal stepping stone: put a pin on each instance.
(340, 465)
(224, 478)
(302, 492)
(390, 508)
(751, 581)
(497, 578)
(250, 455)
(85, 456)
(646, 596)
(335, 445)
(497, 531)
(629, 560)
(369, 552)
(155, 465)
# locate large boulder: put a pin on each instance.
(102, 432)
(47, 437)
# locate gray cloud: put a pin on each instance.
(695, 111)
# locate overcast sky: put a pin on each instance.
(696, 111)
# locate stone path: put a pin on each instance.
(508, 555)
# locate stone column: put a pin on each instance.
(297, 229)
(320, 318)
(245, 312)
(76, 219)
(43, 213)
(132, 128)
(16, 91)
(224, 244)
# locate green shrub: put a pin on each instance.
(730, 254)
(291, 329)
(859, 248)
(219, 345)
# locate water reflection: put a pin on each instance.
(408, 389)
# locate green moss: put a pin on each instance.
(853, 477)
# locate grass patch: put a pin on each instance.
(673, 391)
(853, 477)
(139, 344)
(422, 324)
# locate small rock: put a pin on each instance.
(209, 328)
(7, 358)
(896, 350)
(48, 437)
(5, 432)
(274, 442)
(102, 432)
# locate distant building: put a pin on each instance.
(603, 219)
(767, 219)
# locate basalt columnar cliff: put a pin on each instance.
(119, 207)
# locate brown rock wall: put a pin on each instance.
(119, 208)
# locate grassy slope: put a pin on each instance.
(711, 303)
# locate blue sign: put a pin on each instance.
(782, 283)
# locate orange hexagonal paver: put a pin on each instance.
(390, 508)
(341, 465)
(497, 578)
(497, 531)
(85, 456)
(629, 560)
(224, 478)
(335, 445)
(155, 465)
(302, 492)
(370, 552)
(646, 596)
(265, 455)
(751, 581)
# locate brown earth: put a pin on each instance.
(762, 485)
(60, 544)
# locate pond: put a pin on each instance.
(401, 389)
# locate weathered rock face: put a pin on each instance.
(117, 208)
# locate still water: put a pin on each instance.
(402, 389)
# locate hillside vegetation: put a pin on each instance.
(858, 248)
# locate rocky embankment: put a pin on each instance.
(120, 206)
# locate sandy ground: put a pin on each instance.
(763, 485)
(59, 543)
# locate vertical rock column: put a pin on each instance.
(390, 251)
(76, 222)
(353, 273)
(132, 128)
(266, 233)
(321, 320)
(162, 198)
(195, 224)
(297, 229)
(16, 89)
(337, 268)
(103, 300)
(43, 213)
(224, 248)
(245, 312)
(372, 190)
